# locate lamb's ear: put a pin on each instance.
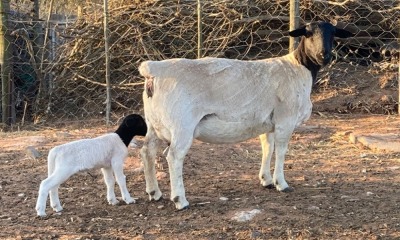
(343, 33)
(298, 32)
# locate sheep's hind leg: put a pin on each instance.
(149, 153)
(121, 180)
(267, 145)
(48, 184)
(110, 182)
(176, 154)
(55, 200)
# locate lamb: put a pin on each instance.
(107, 152)
(227, 101)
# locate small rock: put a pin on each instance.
(139, 169)
(160, 207)
(255, 235)
(370, 193)
(32, 153)
(352, 138)
(21, 195)
(313, 208)
(244, 216)
(62, 135)
(394, 168)
(223, 198)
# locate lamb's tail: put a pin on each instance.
(51, 161)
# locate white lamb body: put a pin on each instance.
(107, 152)
(222, 101)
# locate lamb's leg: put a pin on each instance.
(176, 154)
(121, 180)
(149, 153)
(55, 200)
(110, 183)
(50, 183)
(282, 136)
(267, 144)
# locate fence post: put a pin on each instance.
(199, 30)
(5, 48)
(294, 23)
(107, 56)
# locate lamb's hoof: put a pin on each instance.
(269, 186)
(57, 209)
(129, 200)
(113, 202)
(287, 190)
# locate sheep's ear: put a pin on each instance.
(298, 32)
(343, 33)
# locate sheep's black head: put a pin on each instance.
(317, 41)
(136, 124)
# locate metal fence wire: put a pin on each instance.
(71, 66)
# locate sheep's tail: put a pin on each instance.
(51, 161)
(144, 70)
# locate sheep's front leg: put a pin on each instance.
(176, 154)
(267, 145)
(110, 182)
(282, 137)
(121, 180)
(149, 153)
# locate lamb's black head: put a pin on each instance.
(131, 126)
(317, 41)
(135, 123)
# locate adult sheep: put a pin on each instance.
(227, 101)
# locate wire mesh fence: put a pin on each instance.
(64, 80)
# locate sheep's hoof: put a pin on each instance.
(42, 217)
(184, 208)
(270, 186)
(180, 203)
(287, 190)
(155, 195)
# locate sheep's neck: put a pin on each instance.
(301, 56)
(126, 135)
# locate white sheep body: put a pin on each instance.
(224, 101)
(227, 101)
(247, 103)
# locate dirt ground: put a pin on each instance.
(341, 190)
